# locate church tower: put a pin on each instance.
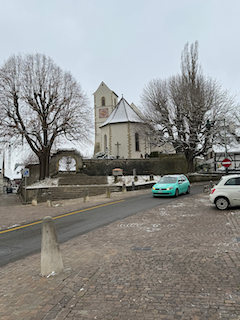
(105, 100)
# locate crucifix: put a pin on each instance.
(117, 144)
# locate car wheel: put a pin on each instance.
(188, 190)
(176, 193)
(222, 203)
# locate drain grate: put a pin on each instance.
(141, 248)
(4, 252)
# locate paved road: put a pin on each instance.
(25, 241)
(178, 261)
(9, 200)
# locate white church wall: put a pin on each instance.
(122, 134)
(102, 112)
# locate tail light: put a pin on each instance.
(212, 191)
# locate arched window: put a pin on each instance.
(103, 101)
(105, 143)
(137, 142)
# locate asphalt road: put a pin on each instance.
(17, 244)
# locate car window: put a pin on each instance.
(233, 182)
(167, 180)
(230, 182)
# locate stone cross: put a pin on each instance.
(117, 144)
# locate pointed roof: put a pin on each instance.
(123, 112)
(103, 84)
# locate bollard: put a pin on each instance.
(124, 189)
(34, 202)
(51, 258)
(210, 184)
(85, 195)
(133, 186)
(49, 199)
(108, 194)
(49, 203)
(35, 197)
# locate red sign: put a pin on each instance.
(226, 163)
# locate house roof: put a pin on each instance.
(123, 112)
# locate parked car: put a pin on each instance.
(171, 185)
(9, 190)
(14, 189)
(226, 192)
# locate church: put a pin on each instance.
(118, 127)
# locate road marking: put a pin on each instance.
(61, 216)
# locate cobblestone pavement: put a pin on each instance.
(176, 261)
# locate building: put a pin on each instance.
(105, 100)
(1, 176)
(231, 150)
(5, 182)
(118, 127)
(217, 155)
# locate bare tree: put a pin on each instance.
(178, 108)
(40, 102)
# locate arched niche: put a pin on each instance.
(56, 158)
(67, 164)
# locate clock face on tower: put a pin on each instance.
(103, 113)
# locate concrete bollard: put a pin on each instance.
(35, 197)
(49, 199)
(108, 194)
(49, 203)
(124, 189)
(34, 202)
(133, 186)
(210, 184)
(86, 195)
(51, 258)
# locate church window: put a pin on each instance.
(105, 143)
(103, 101)
(137, 142)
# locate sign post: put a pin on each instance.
(26, 174)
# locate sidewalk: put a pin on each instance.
(177, 261)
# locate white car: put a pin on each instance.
(226, 192)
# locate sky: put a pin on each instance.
(125, 43)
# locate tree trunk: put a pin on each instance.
(190, 160)
(190, 163)
(44, 164)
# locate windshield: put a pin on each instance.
(168, 180)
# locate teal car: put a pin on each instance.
(171, 185)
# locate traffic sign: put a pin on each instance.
(26, 172)
(226, 163)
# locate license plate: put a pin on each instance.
(160, 192)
